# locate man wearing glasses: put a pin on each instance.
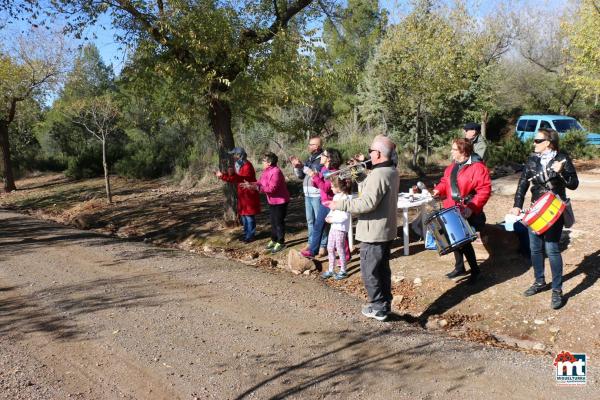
(377, 227)
(312, 195)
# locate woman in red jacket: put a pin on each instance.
(248, 204)
(474, 188)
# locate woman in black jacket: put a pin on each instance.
(546, 170)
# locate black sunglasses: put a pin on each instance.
(372, 150)
(538, 141)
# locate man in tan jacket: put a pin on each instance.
(376, 207)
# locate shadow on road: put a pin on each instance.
(56, 310)
(353, 363)
(590, 267)
(492, 273)
(23, 234)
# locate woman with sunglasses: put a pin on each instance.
(547, 170)
(331, 160)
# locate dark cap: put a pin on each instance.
(472, 126)
(237, 150)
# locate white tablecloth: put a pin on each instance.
(419, 200)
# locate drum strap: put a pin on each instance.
(454, 183)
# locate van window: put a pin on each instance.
(545, 124)
(531, 124)
(563, 125)
(521, 125)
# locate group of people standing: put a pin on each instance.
(272, 183)
(466, 183)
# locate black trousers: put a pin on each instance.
(376, 274)
(278, 213)
(467, 251)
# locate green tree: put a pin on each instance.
(27, 72)
(582, 30)
(99, 117)
(350, 35)
(88, 79)
(164, 123)
(418, 77)
(489, 39)
(211, 43)
(543, 43)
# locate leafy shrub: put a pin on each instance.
(511, 150)
(86, 164)
(575, 144)
(51, 163)
(151, 156)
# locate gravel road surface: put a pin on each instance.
(84, 316)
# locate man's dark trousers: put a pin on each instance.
(376, 274)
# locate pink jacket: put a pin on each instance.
(324, 185)
(272, 183)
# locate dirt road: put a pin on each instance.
(89, 317)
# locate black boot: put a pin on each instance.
(474, 274)
(557, 299)
(456, 273)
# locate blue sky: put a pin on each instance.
(114, 54)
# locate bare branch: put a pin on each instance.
(331, 19)
(539, 64)
(276, 9)
(279, 23)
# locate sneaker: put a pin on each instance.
(306, 253)
(535, 289)
(277, 248)
(379, 315)
(270, 245)
(456, 273)
(340, 275)
(327, 274)
(557, 299)
(248, 240)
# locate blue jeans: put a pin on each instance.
(320, 230)
(548, 241)
(312, 205)
(249, 223)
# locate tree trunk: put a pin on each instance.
(9, 179)
(417, 127)
(220, 121)
(484, 121)
(426, 139)
(106, 177)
